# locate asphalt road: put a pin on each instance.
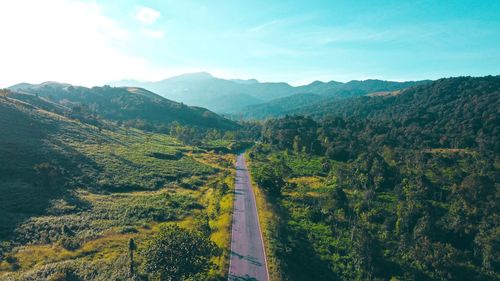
(247, 261)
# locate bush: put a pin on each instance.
(69, 243)
(177, 254)
(128, 229)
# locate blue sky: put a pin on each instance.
(94, 42)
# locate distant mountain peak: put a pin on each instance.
(194, 75)
(246, 81)
(316, 83)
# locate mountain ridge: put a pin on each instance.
(135, 105)
(206, 90)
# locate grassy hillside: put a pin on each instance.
(135, 106)
(73, 193)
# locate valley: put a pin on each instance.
(106, 183)
(249, 140)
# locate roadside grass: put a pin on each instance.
(269, 223)
(219, 209)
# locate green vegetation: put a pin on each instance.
(386, 195)
(100, 184)
(269, 221)
(306, 99)
(133, 107)
(76, 193)
(359, 223)
(177, 254)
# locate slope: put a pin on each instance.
(73, 193)
(141, 108)
(460, 111)
(395, 187)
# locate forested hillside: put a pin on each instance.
(318, 94)
(449, 113)
(400, 187)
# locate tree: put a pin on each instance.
(48, 174)
(131, 248)
(270, 178)
(176, 254)
(66, 231)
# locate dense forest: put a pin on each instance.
(400, 187)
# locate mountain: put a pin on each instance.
(238, 96)
(460, 112)
(319, 93)
(46, 154)
(219, 95)
(137, 106)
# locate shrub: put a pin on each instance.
(177, 254)
(69, 243)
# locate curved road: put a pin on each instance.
(248, 259)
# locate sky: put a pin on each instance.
(96, 42)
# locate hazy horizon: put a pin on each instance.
(93, 43)
(216, 77)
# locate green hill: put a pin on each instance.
(457, 112)
(74, 193)
(137, 106)
(46, 154)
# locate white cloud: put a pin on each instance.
(67, 41)
(157, 34)
(146, 15)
